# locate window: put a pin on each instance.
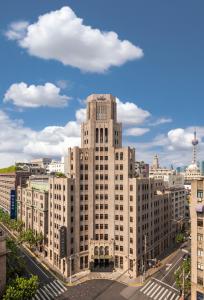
(200, 237)
(200, 223)
(199, 296)
(199, 193)
(200, 266)
(200, 282)
(200, 252)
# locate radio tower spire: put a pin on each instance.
(194, 143)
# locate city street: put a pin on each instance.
(50, 287)
(161, 286)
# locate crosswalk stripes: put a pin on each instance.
(50, 291)
(157, 291)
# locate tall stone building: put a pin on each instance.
(197, 239)
(101, 216)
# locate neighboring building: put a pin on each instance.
(3, 253)
(42, 162)
(8, 186)
(32, 205)
(197, 239)
(56, 167)
(174, 183)
(102, 215)
(33, 169)
(141, 169)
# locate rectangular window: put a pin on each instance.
(200, 266)
(200, 252)
(200, 223)
(199, 296)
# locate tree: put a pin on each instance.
(184, 270)
(180, 238)
(15, 263)
(28, 236)
(22, 288)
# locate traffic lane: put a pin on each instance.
(98, 289)
(173, 261)
(35, 267)
(31, 264)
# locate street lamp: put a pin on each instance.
(70, 267)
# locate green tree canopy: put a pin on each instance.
(22, 288)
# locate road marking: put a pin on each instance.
(165, 284)
(36, 296)
(169, 294)
(159, 293)
(172, 267)
(146, 290)
(61, 285)
(155, 291)
(44, 293)
(168, 266)
(164, 293)
(172, 297)
(155, 286)
(144, 287)
(59, 282)
(55, 288)
(50, 288)
(48, 291)
(63, 289)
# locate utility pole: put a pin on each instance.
(70, 270)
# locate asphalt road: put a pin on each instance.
(99, 289)
(49, 287)
(161, 286)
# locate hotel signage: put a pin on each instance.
(62, 241)
(13, 204)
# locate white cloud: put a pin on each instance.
(130, 113)
(135, 131)
(62, 36)
(161, 121)
(180, 138)
(81, 115)
(35, 95)
(18, 142)
(17, 30)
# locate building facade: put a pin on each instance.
(56, 167)
(101, 215)
(8, 188)
(197, 239)
(174, 183)
(32, 206)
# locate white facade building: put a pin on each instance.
(56, 166)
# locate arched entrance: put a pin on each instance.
(102, 261)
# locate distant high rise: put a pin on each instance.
(193, 172)
(155, 162)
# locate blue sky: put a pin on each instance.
(167, 81)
